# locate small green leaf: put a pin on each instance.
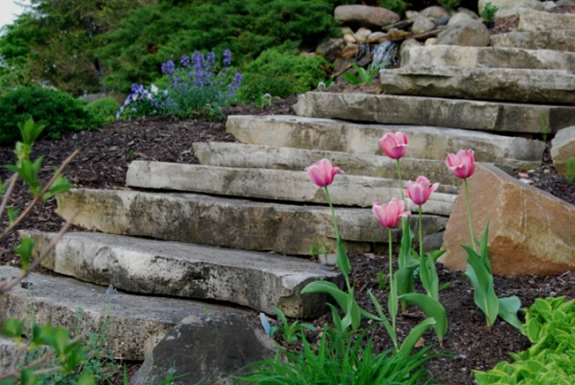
(27, 377)
(25, 251)
(86, 378)
(414, 336)
(508, 308)
(13, 328)
(59, 186)
(12, 214)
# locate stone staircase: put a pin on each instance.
(234, 233)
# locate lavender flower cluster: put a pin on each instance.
(196, 88)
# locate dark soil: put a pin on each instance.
(103, 161)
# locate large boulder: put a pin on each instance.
(530, 231)
(209, 350)
(563, 149)
(467, 32)
(365, 16)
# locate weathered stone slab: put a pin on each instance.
(474, 57)
(144, 266)
(508, 7)
(507, 84)
(530, 231)
(284, 158)
(233, 223)
(414, 110)
(424, 142)
(531, 20)
(8, 351)
(206, 352)
(134, 324)
(563, 149)
(273, 184)
(558, 40)
(365, 15)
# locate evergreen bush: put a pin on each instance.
(281, 74)
(56, 110)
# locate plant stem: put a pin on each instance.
(332, 212)
(468, 203)
(400, 180)
(420, 230)
(391, 285)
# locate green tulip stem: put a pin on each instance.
(468, 203)
(420, 230)
(391, 286)
(400, 180)
(332, 212)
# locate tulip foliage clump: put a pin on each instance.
(412, 263)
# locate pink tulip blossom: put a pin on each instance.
(462, 164)
(389, 214)
(394, 144)
(322, 172)
(420, 190)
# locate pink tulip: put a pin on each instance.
(420, 190)
(394, 145)
(389, 214)
(322, 172)
(462, 164)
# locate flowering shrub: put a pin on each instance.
(196, 88)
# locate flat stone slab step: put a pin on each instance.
(533, 20)
(144, 266)
(425, 142)
(224, 222)
(273, 184)
(239, 155)
(558, 40)
(134, 324)
(506, 84)
(430, 111)
(474, 57)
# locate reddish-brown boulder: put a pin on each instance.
(530, 231)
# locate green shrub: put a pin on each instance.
(57, 111)
(281, 74)
(550, 326)
(397, 6)
(103, 110)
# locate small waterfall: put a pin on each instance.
(385, 52)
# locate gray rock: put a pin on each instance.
(432, 242)
(474, 57)
(456, 18)
(435, 12)
(415, 110)
(506, 84)
(467, 32)
(364, 15)
(281, 185)
(9, 350)
(424, 142)
(536, 21)
(134, 324)
(233, 223)
(422, 24)
(208, 351)
(330, 49)
(508, 7)
(144, 266)
(563, 149)
(559, 40)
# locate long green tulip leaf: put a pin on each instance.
(432, 309)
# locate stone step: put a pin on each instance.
(134, 324)
(224, 222)
(492, 57)
(144, 266)
(538, 21)
(505, 84)
(239, 155)
(273, 184)
(9, 350)
(558, 40)
(424, 142)
(428, 111)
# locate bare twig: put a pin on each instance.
(8, 192)
(7, 285)
(38, 198)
